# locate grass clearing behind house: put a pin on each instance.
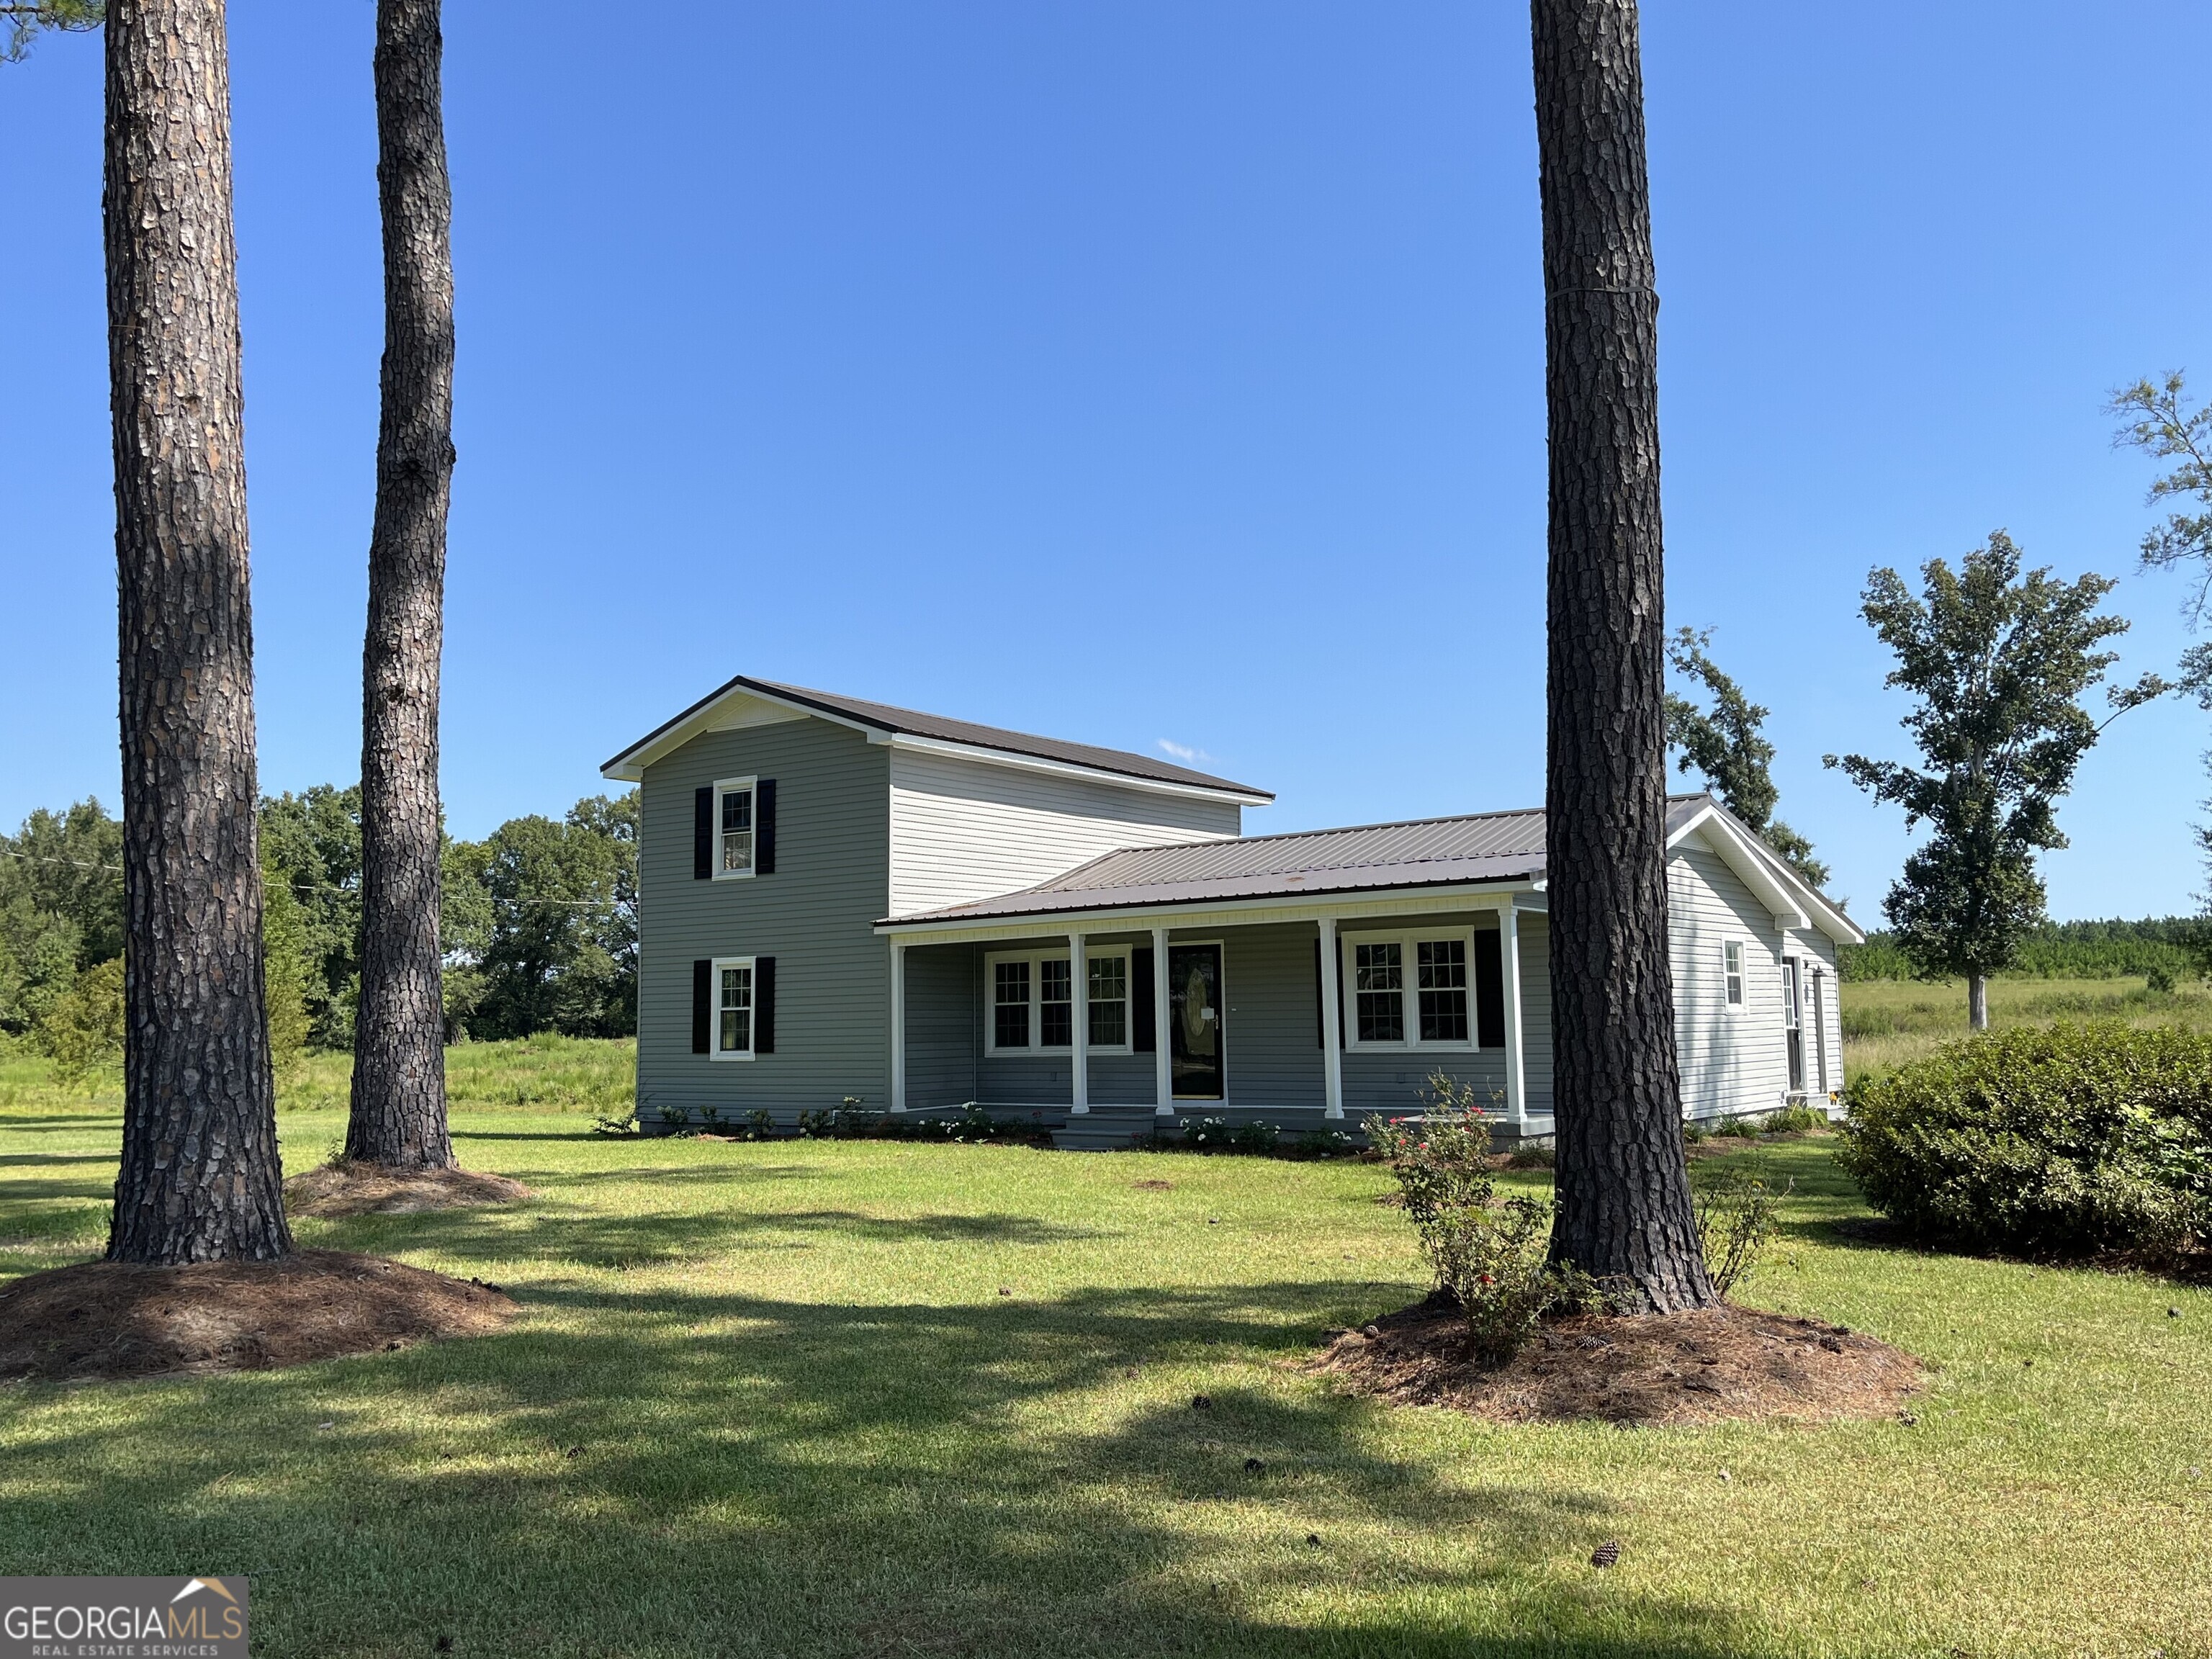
(1891, 1022)
(770, 1399)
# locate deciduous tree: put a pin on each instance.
(1727, 745)
(1998, 663)
(1624, 1196)
(199, 1179)
(399, 1114)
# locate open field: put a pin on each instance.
(770, 1399)
(1888, 1023)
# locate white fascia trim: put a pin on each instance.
(969, 751)
(1218, 912)
(1793, 902)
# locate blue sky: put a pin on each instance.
(1144, 373)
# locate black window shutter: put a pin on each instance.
(702, 833)
(1489, 988)
(763, 1005)
(1145, 1028)
(702, 1012)
(764, 827)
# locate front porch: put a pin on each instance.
(1110, 1027)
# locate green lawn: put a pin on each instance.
(1888, 1023)
(805, 1421)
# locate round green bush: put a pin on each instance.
(2072, 1139)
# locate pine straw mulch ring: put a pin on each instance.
(107, 1321)
(345, 1188)
(1724, 1363)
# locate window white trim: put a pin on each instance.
(1735, 981)
(1094, 954)
(714, 1008)
(1409, 941)
(748, 787)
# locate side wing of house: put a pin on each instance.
(1727, 955)
(762, 987)
(963, 829)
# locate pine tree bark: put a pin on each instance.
(399, 1114)
(199, 1179)
(1623, 1185)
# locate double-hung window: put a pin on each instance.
(734, 828)
(1379, 983)
(734, 1008)
(1110, 1001)
(1440, 973)
(1032, 1001)
(1010, 1004)
(1414, 989)
(1732, 971)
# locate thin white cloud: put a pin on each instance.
(1183, 751)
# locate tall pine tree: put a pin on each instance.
(1624, 1190)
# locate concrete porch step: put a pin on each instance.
(1106, 1129)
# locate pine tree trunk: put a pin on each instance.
(1977, 1002)
(1624, 1212)
(199, 1179)
(399, 1114)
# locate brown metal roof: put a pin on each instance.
(1481, 847)
(884, 717)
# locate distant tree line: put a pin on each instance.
(2169, 946)
(540, 923)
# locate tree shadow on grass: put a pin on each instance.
(672, 1472)
(547, 1231)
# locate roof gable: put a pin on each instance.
(745, 700)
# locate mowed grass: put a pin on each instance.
(1890, 1023)
(854, 1398)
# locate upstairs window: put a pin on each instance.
(1379, 980)
(734, 828)
(1732, 970)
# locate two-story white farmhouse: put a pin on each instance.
(842, 899)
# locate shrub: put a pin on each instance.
(1323, 1143)
(820, 1125)
(624, 1125)
(1207, 1134)
(759, 1125)
(1256, 1137)
(1795, 1119)
(1742, 1129)
(1489, 1257)
(1736, 1204)
(2078, 1137)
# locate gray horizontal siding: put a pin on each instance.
(814, 915)
(965, 829)
(1732, 1059)
(943, 1039)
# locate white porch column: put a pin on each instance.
(1078, 1039)
(1517, 1060)
(898, 1025)
(1332, 1025)
(1163, 1063)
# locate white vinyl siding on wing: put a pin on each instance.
(1734, 1060)
(963, 830)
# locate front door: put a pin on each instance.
(1194, 1034)
(1793, 1028)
